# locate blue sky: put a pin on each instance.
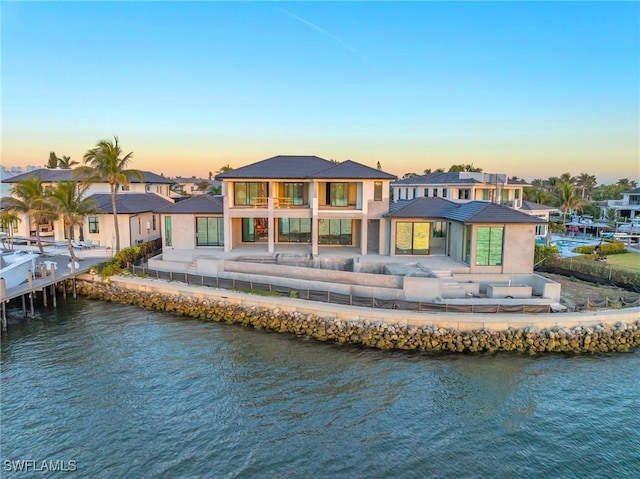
(528, 89)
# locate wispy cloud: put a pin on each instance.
(325, 33)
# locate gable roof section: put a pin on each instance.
(351, 169)
(201, 204)
(131, 203)
(532, 206)
(423, 208)
(281, 166)
(472, 212)
(60, 174)
(484, 212)
(303, 168)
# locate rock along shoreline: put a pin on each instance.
(598, 338)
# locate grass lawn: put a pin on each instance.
(628, 261)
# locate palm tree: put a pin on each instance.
(8, 219)
(586, 183)
(68, 201)
(203, 185)
(567, 199)
(29, 198)
(52, 162)
(225, 168)
(106, 162)
(66, 162)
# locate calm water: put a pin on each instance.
(129, 393)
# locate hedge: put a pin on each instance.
(604, 249)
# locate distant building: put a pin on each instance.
(628, 206)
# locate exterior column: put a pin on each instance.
(313, 193)
(364, 226)
(270, 223)
(227, 220)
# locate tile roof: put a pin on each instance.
(304, 167)
(442, 178)
(471, 212)
(130, 203)
(530, 206)
(281, 166)
(59, 174)
(204, 204)
(422, 208)
(350, 169)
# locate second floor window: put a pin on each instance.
(464, 194)
(377, 191)
(249, 193)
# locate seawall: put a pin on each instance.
(600, 331)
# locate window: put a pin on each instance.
(154, 222)
(294, 193)
(377, 191)
(94, 224)
(340, 194)
(466, 244)
(249, 193)
(167, 231)
(464, 194)
(444, 192)
(294, 230)
(412, 238)
(209, 231)
(139, 225)
(486, 194)
(517, 194)
(335, 231)
(426, 192)
(504, 196)
(489, 245)
(435, 192)
(439, 229)
(125, 187)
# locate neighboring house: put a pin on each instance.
(462, 187)
(539, 211)
(490, 238)
(193, 223)
(306, 200)
(628, 206)
(138, 200)
(138, 221)
(190, 186)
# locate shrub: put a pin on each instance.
(605, 249)
(545, 255)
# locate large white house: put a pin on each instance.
(462, 187)
(306, 200)
(136, 206)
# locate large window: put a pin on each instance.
(466, 244)
(94, 224)
(489, 245)
(377, 191)
(167, 231)
(294, 230)
(209, 231)
(335, 231)
(341, 194)
(439, 229)
(294, 193)
(250, 193)
(412, 238)
(464, 194)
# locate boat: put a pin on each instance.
(14, 267)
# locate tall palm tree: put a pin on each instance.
(8, 219)
(568, 199)
(68, 201)
(66, 162)
(203, 185)
(106, 162)
(29, 198)
(586, 183)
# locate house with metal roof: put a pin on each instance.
(488, 237)
(307, 201)
(462, 187)
(136, 203)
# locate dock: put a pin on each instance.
(50, 270)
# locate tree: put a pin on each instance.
(464, 167)
(106, 162)
(225, 168)
(29, 198)
(52, 162)
(568, 199)
(66, 162)
(68, 201)
(379, 166)
(567, 178)
(203, 185)
(586, 183)
(8, 219)
(409, 175)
